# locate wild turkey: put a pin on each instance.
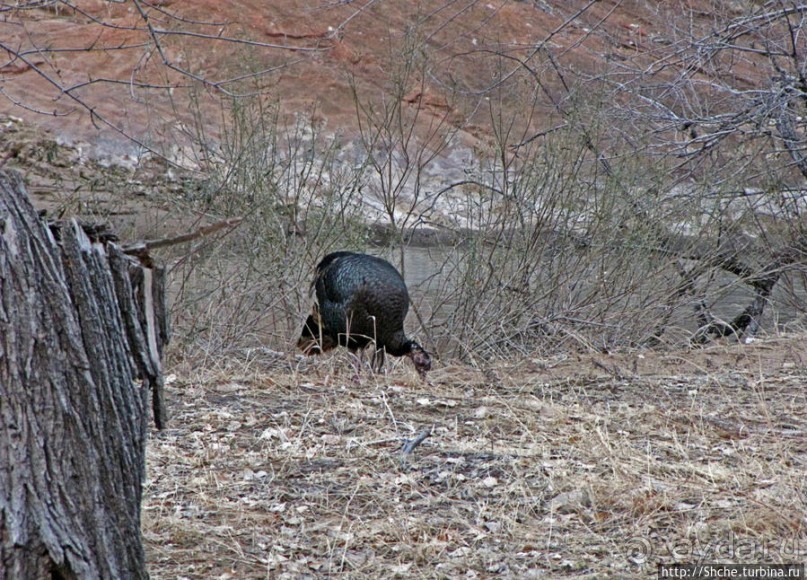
(360, 299)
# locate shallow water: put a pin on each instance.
(425, 270)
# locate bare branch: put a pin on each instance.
(410, 444)
(184, 238)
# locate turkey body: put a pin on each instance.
(361, 299)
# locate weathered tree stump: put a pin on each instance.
(82, 326)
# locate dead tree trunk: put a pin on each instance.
(762, 280)
(82, 327)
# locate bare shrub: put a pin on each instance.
(298, 200)
(660, 199)
(557, 259)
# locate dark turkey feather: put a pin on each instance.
(361, 299)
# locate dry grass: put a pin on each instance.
(592, 466)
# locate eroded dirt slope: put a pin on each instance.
(107, 70)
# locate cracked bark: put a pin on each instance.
(80, 341)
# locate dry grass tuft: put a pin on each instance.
(591, 466)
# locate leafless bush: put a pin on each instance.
(297, 200)
(660, 199)
(556, 258)
(580, 236)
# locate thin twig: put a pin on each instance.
(410, 444)
(189, 237)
